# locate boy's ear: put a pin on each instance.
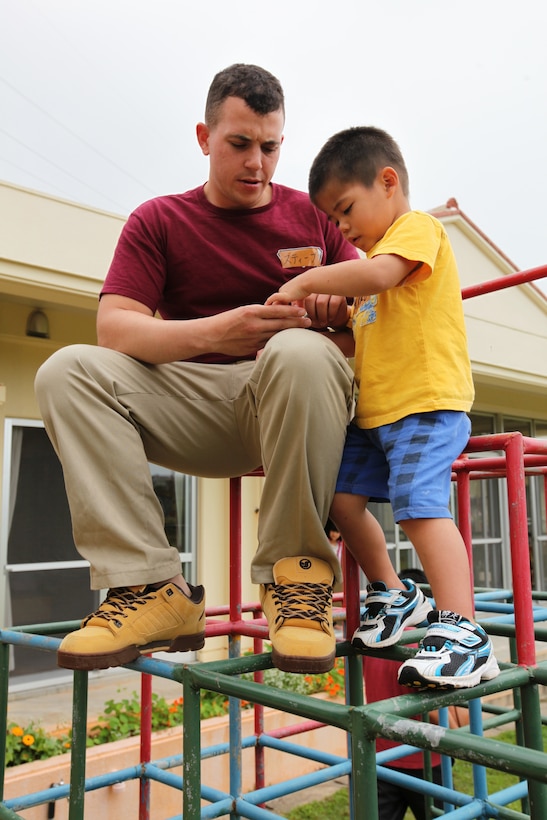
(390, 179)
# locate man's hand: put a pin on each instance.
(130, 327)
(246, 329)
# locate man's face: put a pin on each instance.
(243, 150)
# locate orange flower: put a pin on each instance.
(28, 740)
(17, 731)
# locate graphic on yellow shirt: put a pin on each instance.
(364, 311)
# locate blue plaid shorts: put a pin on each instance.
(407, 463)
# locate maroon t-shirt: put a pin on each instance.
(185, 258)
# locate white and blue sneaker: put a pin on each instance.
(387, 614)
(454, 654)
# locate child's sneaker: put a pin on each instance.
(388, 612)
(454, 654)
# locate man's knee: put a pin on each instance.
(308, 354)
(53, 374)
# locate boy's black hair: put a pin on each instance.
(356, 155)
(257, 87)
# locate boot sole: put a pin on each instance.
(303, 665)
(104, 660)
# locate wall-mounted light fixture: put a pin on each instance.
(38, 324)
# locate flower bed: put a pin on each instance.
(122, 719)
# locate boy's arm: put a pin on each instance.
(356, 277)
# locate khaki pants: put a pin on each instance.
(107, 415)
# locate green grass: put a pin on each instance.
(336, 807)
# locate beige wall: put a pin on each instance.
(507, 330)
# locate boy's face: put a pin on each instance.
(362, 214)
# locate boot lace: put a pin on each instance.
(308, 602)
(118, 601)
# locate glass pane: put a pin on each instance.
(514, 425)
(40, 529)
(480, 568)
(47, 597)
(481, 425)
(384, 514)
(175, 494)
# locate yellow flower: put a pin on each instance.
(17, 731)
(28, 740)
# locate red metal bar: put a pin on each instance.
(235, 549)
(520, 551)
(508, 281)
(146, 744)
(464, 518)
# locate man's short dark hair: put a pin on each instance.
(257, 87)
(356, 155)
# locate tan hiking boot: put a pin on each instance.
(133, 621)
(298, 607)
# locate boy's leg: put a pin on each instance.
(364, 537)
(391, 604)
(434, 539)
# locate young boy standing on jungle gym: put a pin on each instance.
(411, 421)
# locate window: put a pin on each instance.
(46, 581)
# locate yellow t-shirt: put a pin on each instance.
(410, 341)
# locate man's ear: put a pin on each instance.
(202, 133)
(390, 179)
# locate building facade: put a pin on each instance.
(53, 258)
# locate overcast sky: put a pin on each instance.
(99, 100)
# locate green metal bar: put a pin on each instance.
(354, 672)
(191, 733)
(479, 750)
(364, 781)
(78, 750)
(533, 739)
(8, 814)
(333, 713)
(4, 684)
(519, 730)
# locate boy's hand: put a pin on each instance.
(323, 309)
(293, 292)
